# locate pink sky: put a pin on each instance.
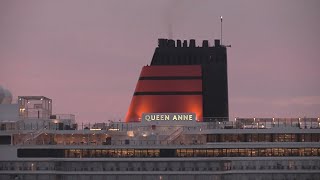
(87, 55)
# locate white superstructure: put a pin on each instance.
(39, 145)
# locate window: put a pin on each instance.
(200, 152)
(210, 153)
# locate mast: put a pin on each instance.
(221, 29)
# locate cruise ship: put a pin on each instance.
(177, 127)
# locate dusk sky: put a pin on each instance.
(87, 55)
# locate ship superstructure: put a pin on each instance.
(249, 148)
(167, 134)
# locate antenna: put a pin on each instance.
(221, 29)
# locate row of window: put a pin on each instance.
(248, 152)
(263, 138)
(223, 152)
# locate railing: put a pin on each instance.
(116, 143)
(314, 168)
(266, 123)
(265, 168)
(211, 123)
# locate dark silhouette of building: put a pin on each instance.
(183, 78)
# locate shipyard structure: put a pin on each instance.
(177, 127)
